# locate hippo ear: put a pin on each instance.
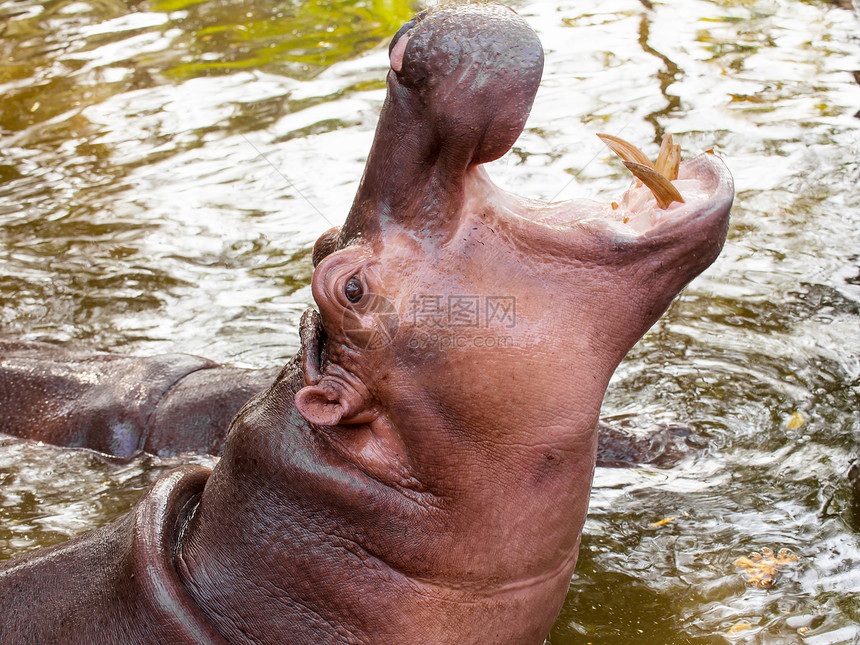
(326, 244)
(330, 403)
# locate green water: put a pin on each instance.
(165, 168)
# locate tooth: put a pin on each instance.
(627, 151)
(669, 158)
(664, 192)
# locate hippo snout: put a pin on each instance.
(474, 69)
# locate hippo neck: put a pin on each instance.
(305, 529)
(413, 177)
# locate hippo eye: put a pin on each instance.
(353, 289)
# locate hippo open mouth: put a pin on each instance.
(439, 54)
(703, 182)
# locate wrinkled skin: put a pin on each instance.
(387, 488)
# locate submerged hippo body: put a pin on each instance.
(394, 486)
(121, 405)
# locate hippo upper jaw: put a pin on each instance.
(462, 81)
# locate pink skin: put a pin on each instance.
(397, 51)
(468, 491)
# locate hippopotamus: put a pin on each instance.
(420, 471)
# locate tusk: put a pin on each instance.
(627, 151)
(664, 192)
(669, 158)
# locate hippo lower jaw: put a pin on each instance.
(635, 217)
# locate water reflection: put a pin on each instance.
(120, 138)
(165, 167)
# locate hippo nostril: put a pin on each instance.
(398, 43)
(396, 53)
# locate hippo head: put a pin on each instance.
(421, 472)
